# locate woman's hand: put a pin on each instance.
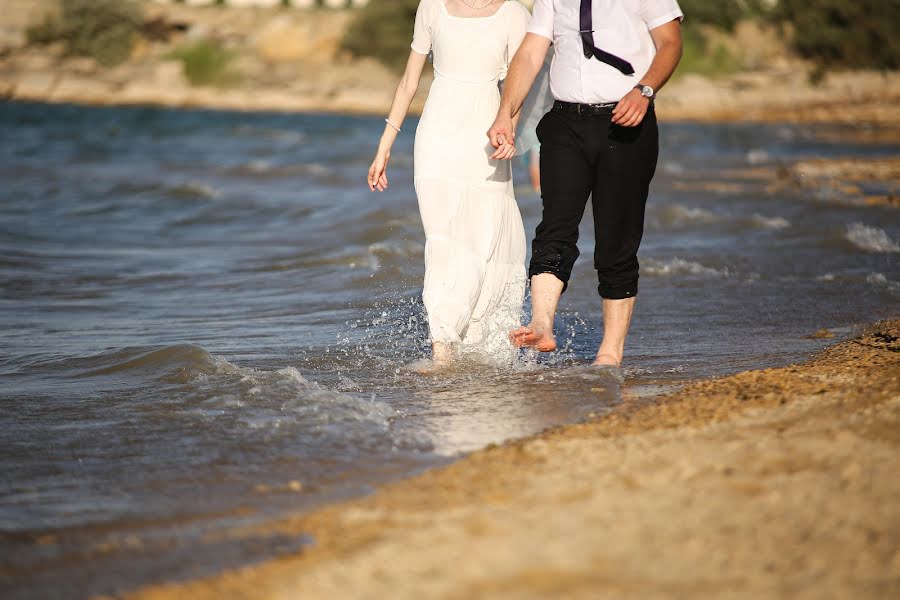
(378, 172)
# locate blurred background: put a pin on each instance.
(743, 58)
(205, 313)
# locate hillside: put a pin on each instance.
(291, 60)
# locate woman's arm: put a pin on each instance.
(403, 97)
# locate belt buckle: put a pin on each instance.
(580, 106)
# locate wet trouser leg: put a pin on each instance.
(584, 156)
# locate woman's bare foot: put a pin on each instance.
(427, 366)
(441, 360)
(532, 336)
(607, 360)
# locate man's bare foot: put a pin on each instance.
(531, 336)
(606, 360)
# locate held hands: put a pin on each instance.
(378, 172)
(503, 137)
(631, 109)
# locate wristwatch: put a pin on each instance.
(646, 91)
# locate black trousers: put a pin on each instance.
(587, 156)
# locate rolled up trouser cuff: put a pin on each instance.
(532, 271)
(617, 293)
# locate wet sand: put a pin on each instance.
(779, 483)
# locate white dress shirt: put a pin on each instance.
(621, 27)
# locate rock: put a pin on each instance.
(79, 64)
(79, 89)
(282, 40)
(169, 74)
(35, 85)
(11, 39)
(32, 61)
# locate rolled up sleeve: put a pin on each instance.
(542, 19)
(659, 12)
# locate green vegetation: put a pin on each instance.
(723, 14)
(207, 63)
(831, 33)
(701, 54)
(383, 30)
(102, 29)
(844, 33)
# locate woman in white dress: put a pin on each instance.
(475, 242)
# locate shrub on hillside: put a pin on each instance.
(207, 63)
(102, 29)
(844, 33)
(722, 13)
(383, 29)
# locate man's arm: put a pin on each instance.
(633, 106)
(522, 71)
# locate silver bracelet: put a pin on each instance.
(392, 125)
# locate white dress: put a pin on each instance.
(475, 241)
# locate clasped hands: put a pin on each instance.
(629, 112)
(503, 138)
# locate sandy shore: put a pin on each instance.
(779, 483)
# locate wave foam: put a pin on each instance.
(880, 280)
(678, 266)
(678, 215)
(871, 239)
(764, 222)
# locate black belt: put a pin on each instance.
(585, 109)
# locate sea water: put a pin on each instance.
(204, 318)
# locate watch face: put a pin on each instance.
(647, 91)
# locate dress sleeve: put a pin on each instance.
(660, 12)
(422, 34)
(518, 26)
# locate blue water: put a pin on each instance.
(204, 318)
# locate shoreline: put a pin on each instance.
(771, 483)
(679, 105)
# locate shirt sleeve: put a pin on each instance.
(660, 12)
(542, 19)
(423, 30)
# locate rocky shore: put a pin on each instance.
(291, 60)
(767, 484)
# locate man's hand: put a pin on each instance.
(631, 109)
(502, 135)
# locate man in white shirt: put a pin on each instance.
(600, 140)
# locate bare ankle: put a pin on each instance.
(441, 352)
(608, 358)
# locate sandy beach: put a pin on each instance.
(778, 483)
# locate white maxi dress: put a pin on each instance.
(474, 238)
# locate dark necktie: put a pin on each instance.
(587, 40)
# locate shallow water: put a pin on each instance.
(205, 317)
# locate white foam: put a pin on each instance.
(871, 239)
(678, 266)
(769, 222)
(880, 280)
(757, 157)
(675, 215)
